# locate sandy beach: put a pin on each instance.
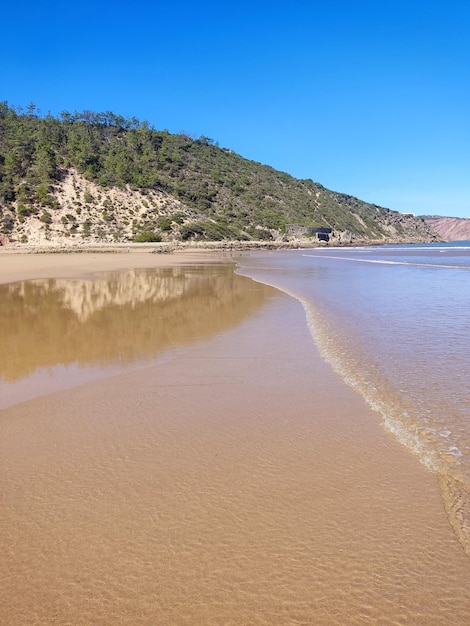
(18, 264)
(234, 480)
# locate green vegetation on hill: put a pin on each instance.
(220, 195)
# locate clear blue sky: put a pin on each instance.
(367, 97)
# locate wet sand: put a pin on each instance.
(238, 481)
(15, 265)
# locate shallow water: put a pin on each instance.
(394, 322)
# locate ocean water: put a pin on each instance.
(394, 323)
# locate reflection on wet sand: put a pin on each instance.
(119, 318)
(60, 333)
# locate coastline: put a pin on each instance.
(239, 481)
(169, 247)
(156, 248)
(20, 265)
(164, 254)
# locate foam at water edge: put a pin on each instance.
(455, 494)
(456, 497)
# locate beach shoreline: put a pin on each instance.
(169, 247)
(20, 265)
(239, 481)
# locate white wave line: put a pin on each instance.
(381, 262)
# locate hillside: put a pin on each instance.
(450, 228)
(103, 178)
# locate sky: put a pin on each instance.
(366, 97)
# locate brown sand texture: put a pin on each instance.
(15, 265)
(236, 482)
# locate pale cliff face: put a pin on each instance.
(111, 214)
(450, 228)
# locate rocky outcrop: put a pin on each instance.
(450, 228)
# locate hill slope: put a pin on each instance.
(450, 228)
(100, 177)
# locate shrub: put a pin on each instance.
(262, 234)
(42, 194)
(88, 197)
(191, 230)
(164, 223)
(86, 228)
(147, 236)
(8, 224)
(211, 231)
(24, 211)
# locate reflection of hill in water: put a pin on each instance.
(118, 318)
